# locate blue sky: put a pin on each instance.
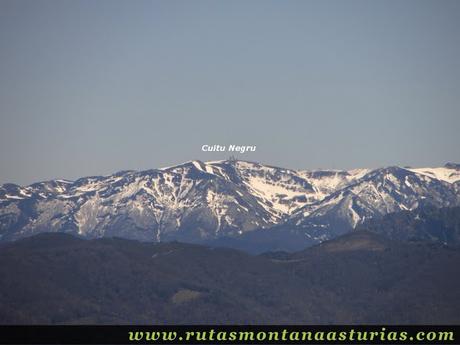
(93, 87)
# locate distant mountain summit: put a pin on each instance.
(204, 201)
(452, 166)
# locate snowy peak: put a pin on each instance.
(325, 182)
(449, 173)
(376, 193)
(201, 200)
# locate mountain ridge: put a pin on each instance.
(197, 200)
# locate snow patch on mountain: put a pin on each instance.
(443, 174)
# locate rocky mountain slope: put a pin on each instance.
(427, 224)
(198, 201)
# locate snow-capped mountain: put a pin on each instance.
(375, 194)
(199, 201)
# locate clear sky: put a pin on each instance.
(94, 87)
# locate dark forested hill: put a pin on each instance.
(376, 280)
(358, 278)
(56, 278)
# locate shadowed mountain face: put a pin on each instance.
(423, 224)
(201, 202)
(358, 278)
(426, 224)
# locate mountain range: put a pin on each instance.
(219, 201)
